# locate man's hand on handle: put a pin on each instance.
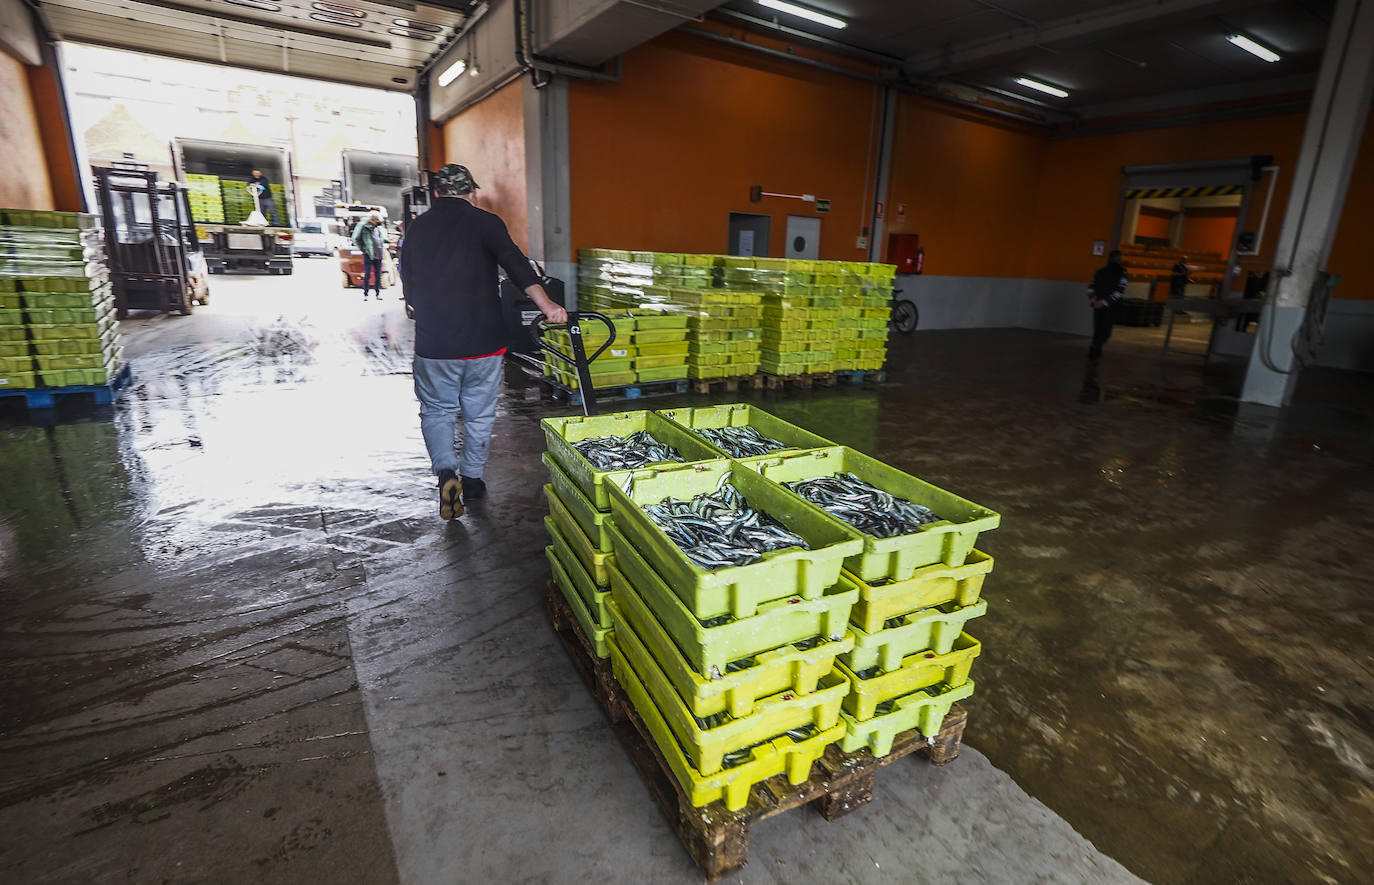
(553, 312)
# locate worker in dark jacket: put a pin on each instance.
(450, 285)
(1104, 294)
(266, 204)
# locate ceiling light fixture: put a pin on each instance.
(1253, 48)
(1042, 87)
(453, 72)
(803, 12)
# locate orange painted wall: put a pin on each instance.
(24, 177)
(489, 139)
(1081, 180)
(46, 93)
(1208, 234)
(968, 188)
(660, 159)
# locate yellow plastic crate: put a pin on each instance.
(591, 520)
(674, 372)
(593, 597)
(663, 348)
(657, 362)
(707, 744)
(731, 786)
(76, 377)
(922, 669)
(560, 522)
(928, 587)
(597, 636)
(924, 709)
(934, 630)
(17, 380)
(794, 667)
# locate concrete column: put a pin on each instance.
(1330, 144)
(546, 178)
(877, 241)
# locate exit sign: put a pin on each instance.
(822, 206)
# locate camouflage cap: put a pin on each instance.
(454, 181)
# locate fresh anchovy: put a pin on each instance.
(737, 757)
(720, 529)
(801, 734)
(884, 708)
(864, 506)
(715, 720)
(717, 621)
(740, 442)
(866, 674)
(807, 644)
(894, 622)
(626, 453)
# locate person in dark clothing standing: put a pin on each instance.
(266, 204)
(1104, 294)
(450, 286)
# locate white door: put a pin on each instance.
(803, 237)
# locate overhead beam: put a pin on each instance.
(987, 51)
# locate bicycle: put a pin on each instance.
(904, 316)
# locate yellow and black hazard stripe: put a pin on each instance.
(1156, 193)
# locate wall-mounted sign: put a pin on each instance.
(878, 210)
(822, 206)
(901, 211)
(1099, 247)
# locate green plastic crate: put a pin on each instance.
(924, 709)
(934, 629)
(732, 787)
(593, 597)
(561, 433)
(80, 361)
(643, 363)
(746, 415)
(785, 668)
(18, 380)
(928, 586)
(12, 334)
(711, 649)
(660, 336)
(922, 669)
(560, 522)
(664, 373)
(596, 635)
(662, 348)
(12, 349)
(12, 365)
(950, 540)
(734, 590)
(76, 377)
(592, 521)
(569, 379)
(771, 716)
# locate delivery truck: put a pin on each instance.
(216, 175)
(377, 179)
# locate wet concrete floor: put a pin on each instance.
(239, 647)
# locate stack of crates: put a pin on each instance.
(57, 314)
(203, 193)
(866, 293)
(742, 673)
(911, 657)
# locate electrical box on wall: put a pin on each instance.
(904, 250)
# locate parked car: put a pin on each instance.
(319, 236)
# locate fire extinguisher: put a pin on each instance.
(921, 259)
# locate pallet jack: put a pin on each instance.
(579, 360)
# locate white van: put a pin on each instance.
(319, 236)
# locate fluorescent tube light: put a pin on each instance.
(1043, 87)
(1253, 48)
(803, 12)
(453, 72)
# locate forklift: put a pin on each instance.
(153, 253)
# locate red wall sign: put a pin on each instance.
(901, 211)
(878, 210)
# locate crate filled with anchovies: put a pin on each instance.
(763, 594)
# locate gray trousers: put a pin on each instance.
(442, 387)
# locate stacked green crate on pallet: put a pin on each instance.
(917, 592)
(734, 670)
(57, 322)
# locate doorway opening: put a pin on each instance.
(748, 234)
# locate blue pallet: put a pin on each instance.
(859, 376)
(626, 391)
(46, 397)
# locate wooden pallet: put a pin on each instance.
(726, 385)
(715, 837)
(861, 376)
(47, 397)
(802, 382)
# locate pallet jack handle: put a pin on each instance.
(579, 359)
